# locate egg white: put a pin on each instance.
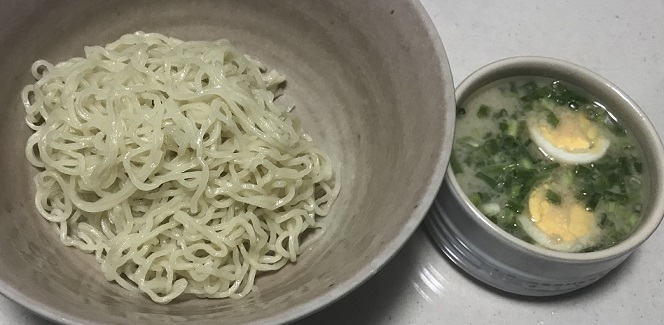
(569, 208)
(595, 152)
(544, 240)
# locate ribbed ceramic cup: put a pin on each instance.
(503, 261)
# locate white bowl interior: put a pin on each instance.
(370, 82)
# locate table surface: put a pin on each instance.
(620, 40)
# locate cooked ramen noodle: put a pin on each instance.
(172, 164)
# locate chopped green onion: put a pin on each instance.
(523, 151)
(550, 166)
(536, 94)
(624, 166)
(483, 111)
(524, 174)
(582, 171)
(494, 170)
(514, 205)
(632, 221)
(527, 107)
(515, 191)
(612, 206)
(475, 198)
(513, 128)
(613, 178)
(592, 202)
(479, 198)
(457, 168)
(569, 177)
(491, 147)
(487, 179)
(525, 163)
(553, 197)
(638, 167)
(563, 96)
(501, 113)
(616, 197)
(552, 119)
(461, 111)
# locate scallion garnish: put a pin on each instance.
(552, 119)
(483, 111)
(553, 197)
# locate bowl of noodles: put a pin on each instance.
(172, 163)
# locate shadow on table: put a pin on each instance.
(381, 293)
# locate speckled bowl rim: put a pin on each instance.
(379, 260)
(495, 71)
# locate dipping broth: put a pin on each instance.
(549, 164)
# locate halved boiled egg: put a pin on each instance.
(563, 225)
(573, 140)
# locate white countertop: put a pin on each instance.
(621, 40)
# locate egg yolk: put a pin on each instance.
(574, 131)
(563, 222)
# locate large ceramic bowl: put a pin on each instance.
(499, 259)
(370, 81)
